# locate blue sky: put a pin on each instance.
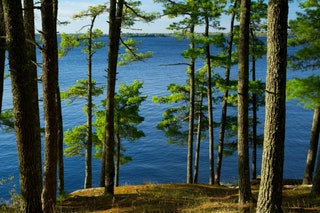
(69, 7)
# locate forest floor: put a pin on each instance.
(180, 198)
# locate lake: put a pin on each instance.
(154, 161)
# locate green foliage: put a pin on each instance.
(133, 13)
(306, 28)
(80, 91)
(306, 91)
(75, 141)
(6, 121)
(92, 38)
(92, 12)
(131, 53)
(67, 43)
(127, 117)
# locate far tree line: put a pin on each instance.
(190, 120)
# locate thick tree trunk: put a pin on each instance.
(224, 101)
(243, 100)
(191, 113)
(313, 148)
(49, 85)
(24, 104)
(270, 191)
(2, 52)
(115, 19)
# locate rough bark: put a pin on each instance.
(26, 126)
(49, 85)
(115, 19)
(313, 148)
(243, 100)
(270, 191)
(224, 101)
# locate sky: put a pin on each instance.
(69, 7)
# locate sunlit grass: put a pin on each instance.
(180, 198)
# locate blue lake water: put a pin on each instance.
(154, 161)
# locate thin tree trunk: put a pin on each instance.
(25, 124)
(198, 141)
(60, 144)
(88, 175)
(210, 108)
(50, 83)
(191, 113)
(270, 191)
(254, 114)
(115, 19)
(224, 101)
(313, 148)
(118, 159)
(2, 53)
(243, 123)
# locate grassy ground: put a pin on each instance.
(180, 198)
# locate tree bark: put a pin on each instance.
(115, 19)
(270, 191)
(49, 85)
(224, 101)
(254, 113)
(24, 104)
(88, 176)
(198, 141)
(315, 138)
(118, 141)
(60, 159)
(210, 108)
(243, 100)
(191, 112)
(313, 148)
(2, 52)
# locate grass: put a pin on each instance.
(179, 198)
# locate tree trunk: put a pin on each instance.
(49, 85)
(191, 113)
(315, 138)
(198, 141)
(118, 159)
(88, 176)
(243, 122)
(2, 52)
(210, 108)
(254, 113)
(115, 19)
(313, 148)
(24, 104)
(60, 144)
(224, 101)
(270, 191)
